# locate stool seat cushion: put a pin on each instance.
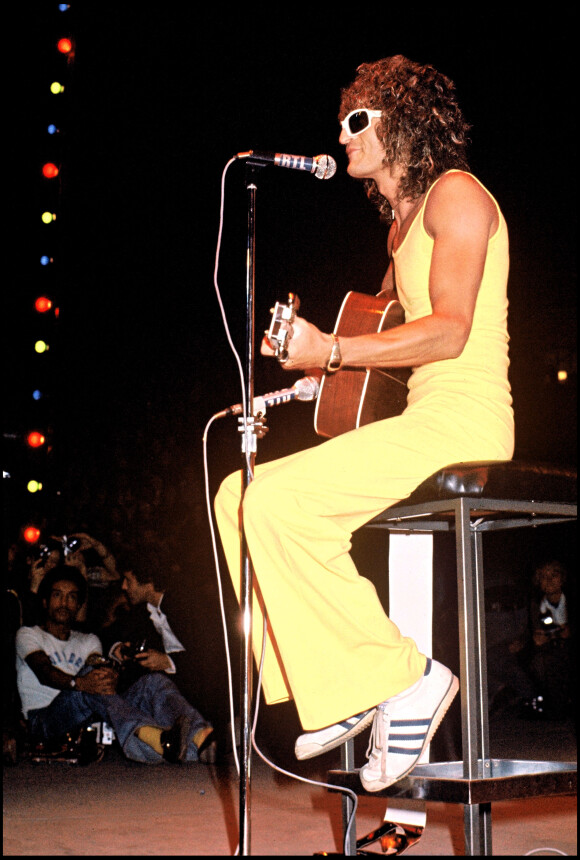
(499, 479)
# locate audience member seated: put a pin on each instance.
(64, 683)
(551, 662)
(148, 637)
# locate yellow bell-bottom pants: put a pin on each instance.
(330, 646)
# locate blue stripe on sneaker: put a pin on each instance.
(352, 721)
(407, 724)
(405, 751)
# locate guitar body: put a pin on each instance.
(353, 397)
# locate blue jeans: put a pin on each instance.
(153, 700)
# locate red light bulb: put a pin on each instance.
(31, 534)
(36, 439)
(64, 46)
(49, 170)
(42, 304)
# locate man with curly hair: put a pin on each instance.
(330, 645)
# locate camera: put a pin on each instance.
(64, 546)
(548, 625)
(130, 651)
(46, 550)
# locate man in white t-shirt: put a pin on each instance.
(62, 686)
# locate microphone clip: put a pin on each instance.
(252, 428)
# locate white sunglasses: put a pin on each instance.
(359, 120)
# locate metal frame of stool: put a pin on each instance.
(477, 780)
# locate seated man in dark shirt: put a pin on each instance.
(150, 636)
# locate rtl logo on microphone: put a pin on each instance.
(294, 162)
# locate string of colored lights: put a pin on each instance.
(39, 437)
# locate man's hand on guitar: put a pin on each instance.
(306, 345)
(297, 344)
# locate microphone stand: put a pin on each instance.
(251, 432)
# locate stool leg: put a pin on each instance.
(477, 829)
(347, 763)
(473, 670)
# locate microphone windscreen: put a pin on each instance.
(307, 388)
(325, 167)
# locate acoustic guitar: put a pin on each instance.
(353, 396)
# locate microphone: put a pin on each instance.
(323, 166)
(306, 388)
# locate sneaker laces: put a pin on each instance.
(379, 740)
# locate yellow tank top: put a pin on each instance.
(481, 371)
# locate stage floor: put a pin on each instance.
(120, 808)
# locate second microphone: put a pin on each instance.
(305, 389)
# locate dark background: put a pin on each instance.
(157, 101)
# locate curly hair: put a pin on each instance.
(422, 127)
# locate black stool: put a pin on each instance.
(471, 499)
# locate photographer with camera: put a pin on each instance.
(551, 662)
(82, 551)
(150, 637)
(142, 639)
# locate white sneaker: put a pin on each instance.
(314, 743)
(404, 725)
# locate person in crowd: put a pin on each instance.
(150, 636)
(86, 553)
(64, 683)
(552, 651)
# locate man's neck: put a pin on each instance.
(59, 631)
(155, 598)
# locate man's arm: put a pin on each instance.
(460, 216)
(99, 680)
